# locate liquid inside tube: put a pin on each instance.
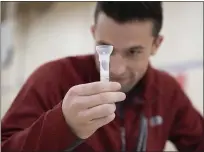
(104, 52)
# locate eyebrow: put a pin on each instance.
(138, 47)
(103, 43)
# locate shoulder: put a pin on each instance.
(78, 63)
(166, 81)
(170, 90)
(57, 72)
(47, 71)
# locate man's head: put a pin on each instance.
(133, 30)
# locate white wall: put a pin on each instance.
(64, 31)
(61, 32)
(183, 32)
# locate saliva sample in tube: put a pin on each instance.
(104, 53)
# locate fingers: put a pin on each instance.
(95, 124)
(103, 121)
(103, 98)
(99, 112)
(95, 88)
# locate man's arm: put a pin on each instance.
(35, 121)
(187, 132)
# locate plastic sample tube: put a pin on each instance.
(104, 52)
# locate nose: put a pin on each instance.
(117, 65)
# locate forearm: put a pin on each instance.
(48, 133)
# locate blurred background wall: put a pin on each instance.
(33, 33)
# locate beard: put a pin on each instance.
(127, 87)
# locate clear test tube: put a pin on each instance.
(104, 52)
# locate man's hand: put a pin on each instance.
(87, 107)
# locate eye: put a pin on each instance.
(133, 52)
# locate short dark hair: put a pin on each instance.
(122, 12)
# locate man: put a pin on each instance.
(63, 106)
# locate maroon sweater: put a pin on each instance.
(35, 122)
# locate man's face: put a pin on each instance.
(133, 44)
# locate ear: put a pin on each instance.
(157, 44)
(93, 29)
